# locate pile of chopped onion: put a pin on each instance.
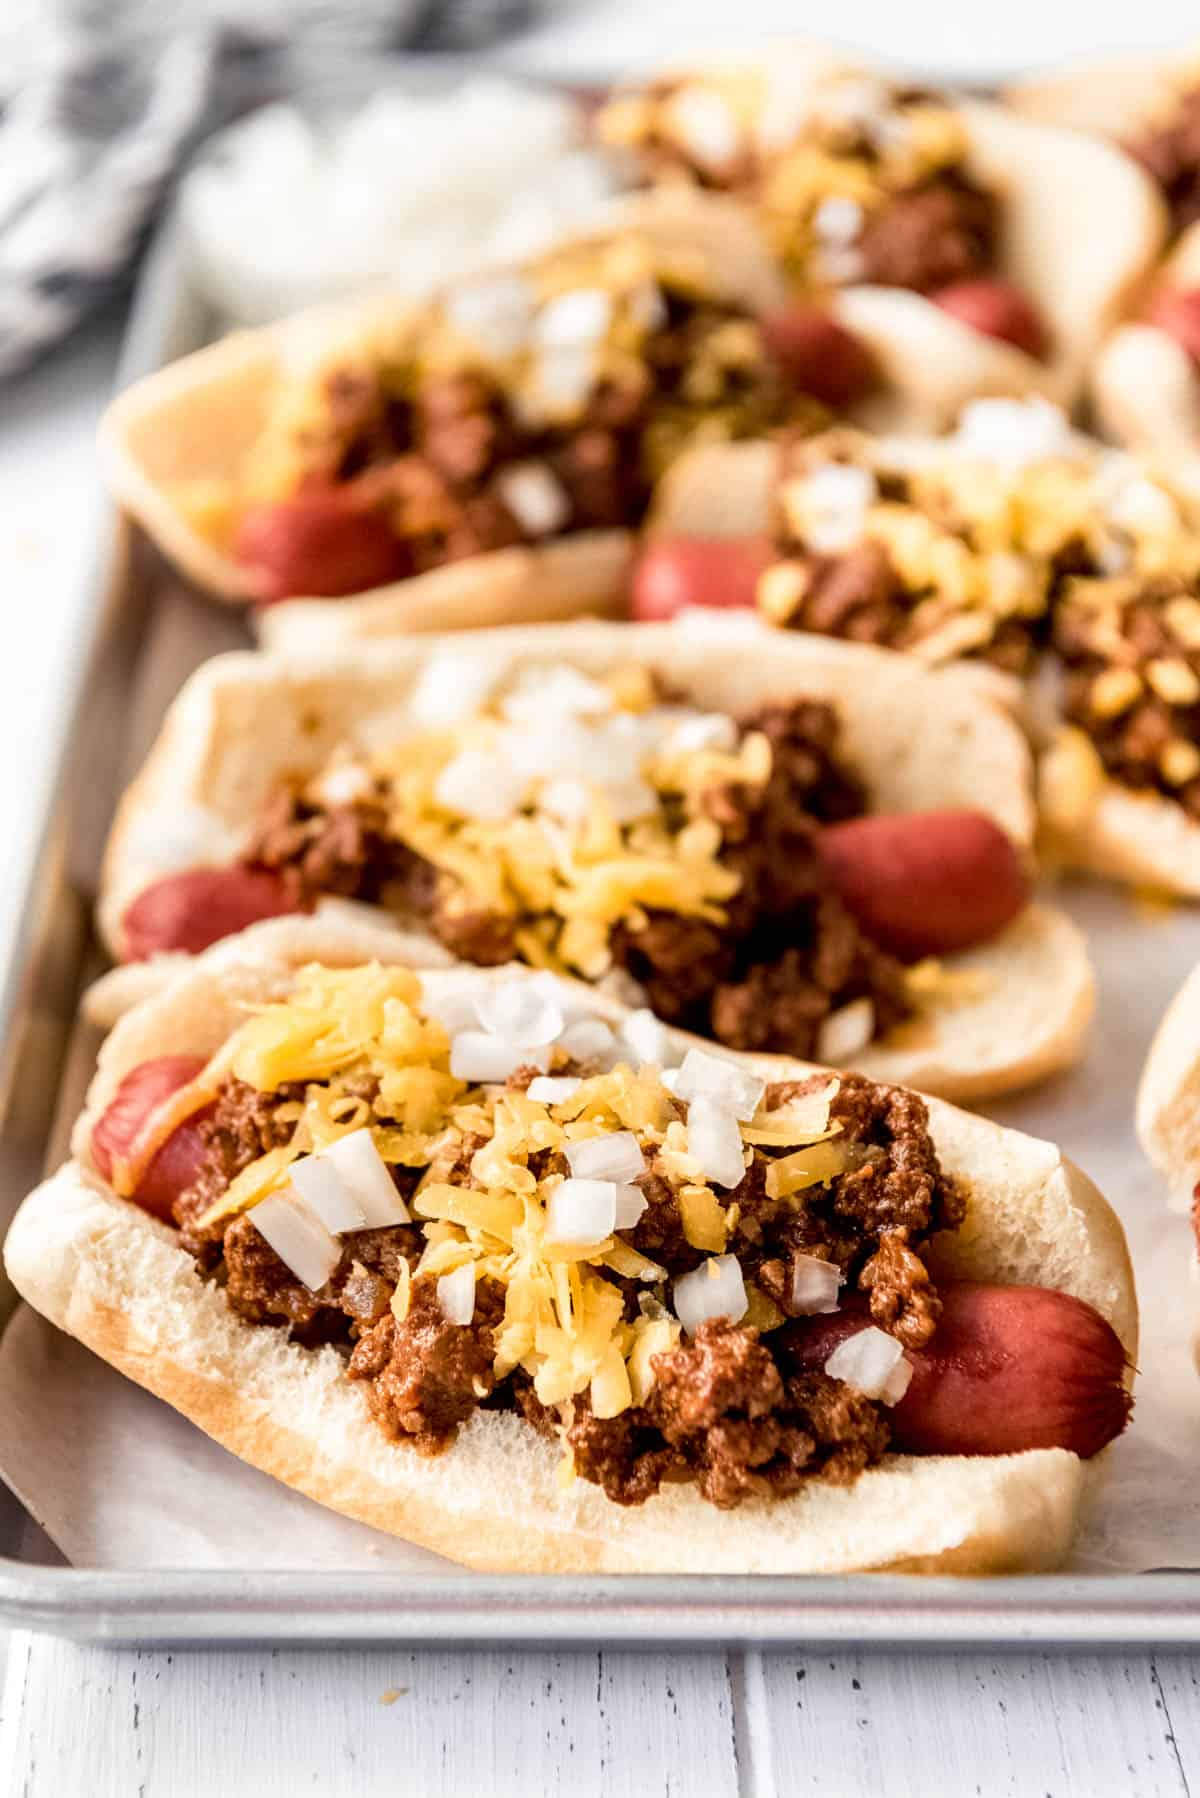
(414, 189)
(343, 1188)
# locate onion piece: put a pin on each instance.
(523, 1010)
(715, 1141)
(454, 1006)
(553, 1089)
(480, 786)
(646, 1037)
(873, 1363)
(326, 1194)
(631, 1202)
(536, 498)
(702, 730)
(555, 687)
(714, 1289)
(363, 1172)
(451, 686)
(582, 1212)
(588, 1040)
(569, 801)
(616, 1156)
(815, 1285)
(581, 316)
(300, 1240)
(846, 1032)
(496, 312)
(710, 1077)
(456, 1294)
(482, 1059)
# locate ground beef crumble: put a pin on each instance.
(731, 1410)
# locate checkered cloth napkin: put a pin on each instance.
(101, 99)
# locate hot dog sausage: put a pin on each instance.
(1008, 1368)
(926, 883)
(198, 906)
(818, 355)
(995, 309)
(1177, 312)
(115, 1136)
(674, 572)
(319, 542)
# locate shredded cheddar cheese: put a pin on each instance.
(359, 1044)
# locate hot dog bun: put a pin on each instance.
(1168, 1100)
(920, 740)
(100, 1268)
(1145, 386)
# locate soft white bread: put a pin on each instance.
(920, 740)
(101, 1269)
(1106, 96)
(1095, 826)
(198, 420)
(1168, 1100)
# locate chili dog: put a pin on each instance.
(892, 1407)
(484, 457)
(618, 802)
(928, 218)
(1016, 544)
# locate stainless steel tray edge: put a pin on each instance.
(39, 985)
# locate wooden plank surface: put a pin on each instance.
(170, 1724)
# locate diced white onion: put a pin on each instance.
(322, 1189)
(536, 498)
(714, 1289)
(547, 744)
(570, 801)
(815, 1285)
(456, 1294)
(554, 1089)
(710, 1077)
(588, 1040)
(364, 1173)
(482, 1059)
(1013, 433)
(581, 1211)
(838, 220)
(873, 1363)
(616, 1156)
(562, 382)
(578, 317)
(300, 1240)
(846, 1032)
(455, 1007)
(451, 686)
(715, 1141)
(522, 1010)
(705, 125)
(496, 312)
(480, 786)
(647, 1038)
(1143, 508)
(832, 503)
(555, 687)
(343, 784)
(703, 730)
(631, 1202)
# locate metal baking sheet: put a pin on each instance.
(148, 632)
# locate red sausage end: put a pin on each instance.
(195, 908)
(926, 883)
